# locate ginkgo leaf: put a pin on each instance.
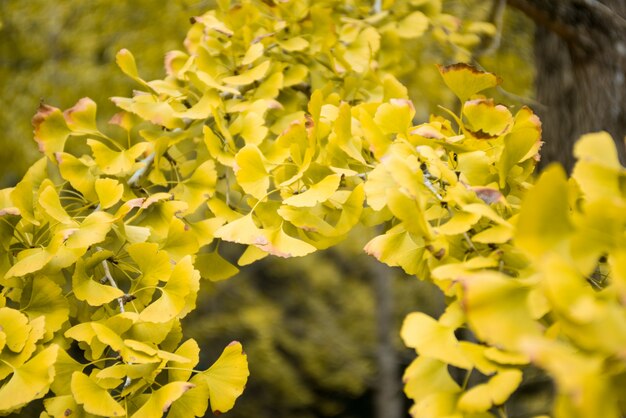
(34, 259)
(194, 402)
(544, 217)
(241, 231)
(523, 138)
(116, 162)
(486, 120)
(126, 61)
(395, 116)
(51, 131)
(182, 371)
(398, 248)
(91, 291)
(160, 400)
(297, 43)
(248, 76)
(46, 299)
(109, 192)
(319, 192)
(24, 193)
(198, 188)
(465, 80)
(250, 171)
(81, 118)
(432, 339)
(598, 170)
(177, 296)
(495, 392)
(459, 223)
(276, 242)
(50, 202)
(180, 240)
(92, 230)
(227, 377)
(154, 265)
(95, 399)
(64, 367)
(413, 26)
(214, 267)
(78, 171)
(426, 376)
(30, 381)
(497, 308)
(15, 327)
(253, 53)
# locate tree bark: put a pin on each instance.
(388, 400)
(580, 52)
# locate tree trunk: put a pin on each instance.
(580, 52)
(388, 400)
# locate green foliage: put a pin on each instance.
(282, 127)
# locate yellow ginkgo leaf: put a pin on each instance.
(30, 381)
(81, 118)
(95, 399)
(486, 120)
(50, 202)
(432, 339)
(544, 219)
(395, 116)
(160, 400)
(15, 327)
(91, 291)
(182, 371)
(426, 376)
(251, 172)
(116, 162)
(398, 248)
(319, 192)
(465, 80)
(198, 188)
(253, 53)
(276, 242)
(51, 130)
(249, 76)
(109, 192)
(495, 392)
(297, 43)
(46, 299)
(194, 402)
(413, 26)
(227, 377)
(214, 267)
(93, 230)
(177, 296)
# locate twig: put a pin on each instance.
(141, 172)
(109, 277)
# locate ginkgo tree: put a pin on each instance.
(280, 127)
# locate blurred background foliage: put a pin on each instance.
(308, 325)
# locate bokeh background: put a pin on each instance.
(315, 329)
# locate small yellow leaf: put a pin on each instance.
(95, 399)
(319, 192)
(160, 400)
(465, 80)
(227, 377)
(109, 192)
(249, 76)
(30, 381)
(250, 171)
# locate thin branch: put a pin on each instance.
(141, 172)
(496, 17)
(109, 277)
